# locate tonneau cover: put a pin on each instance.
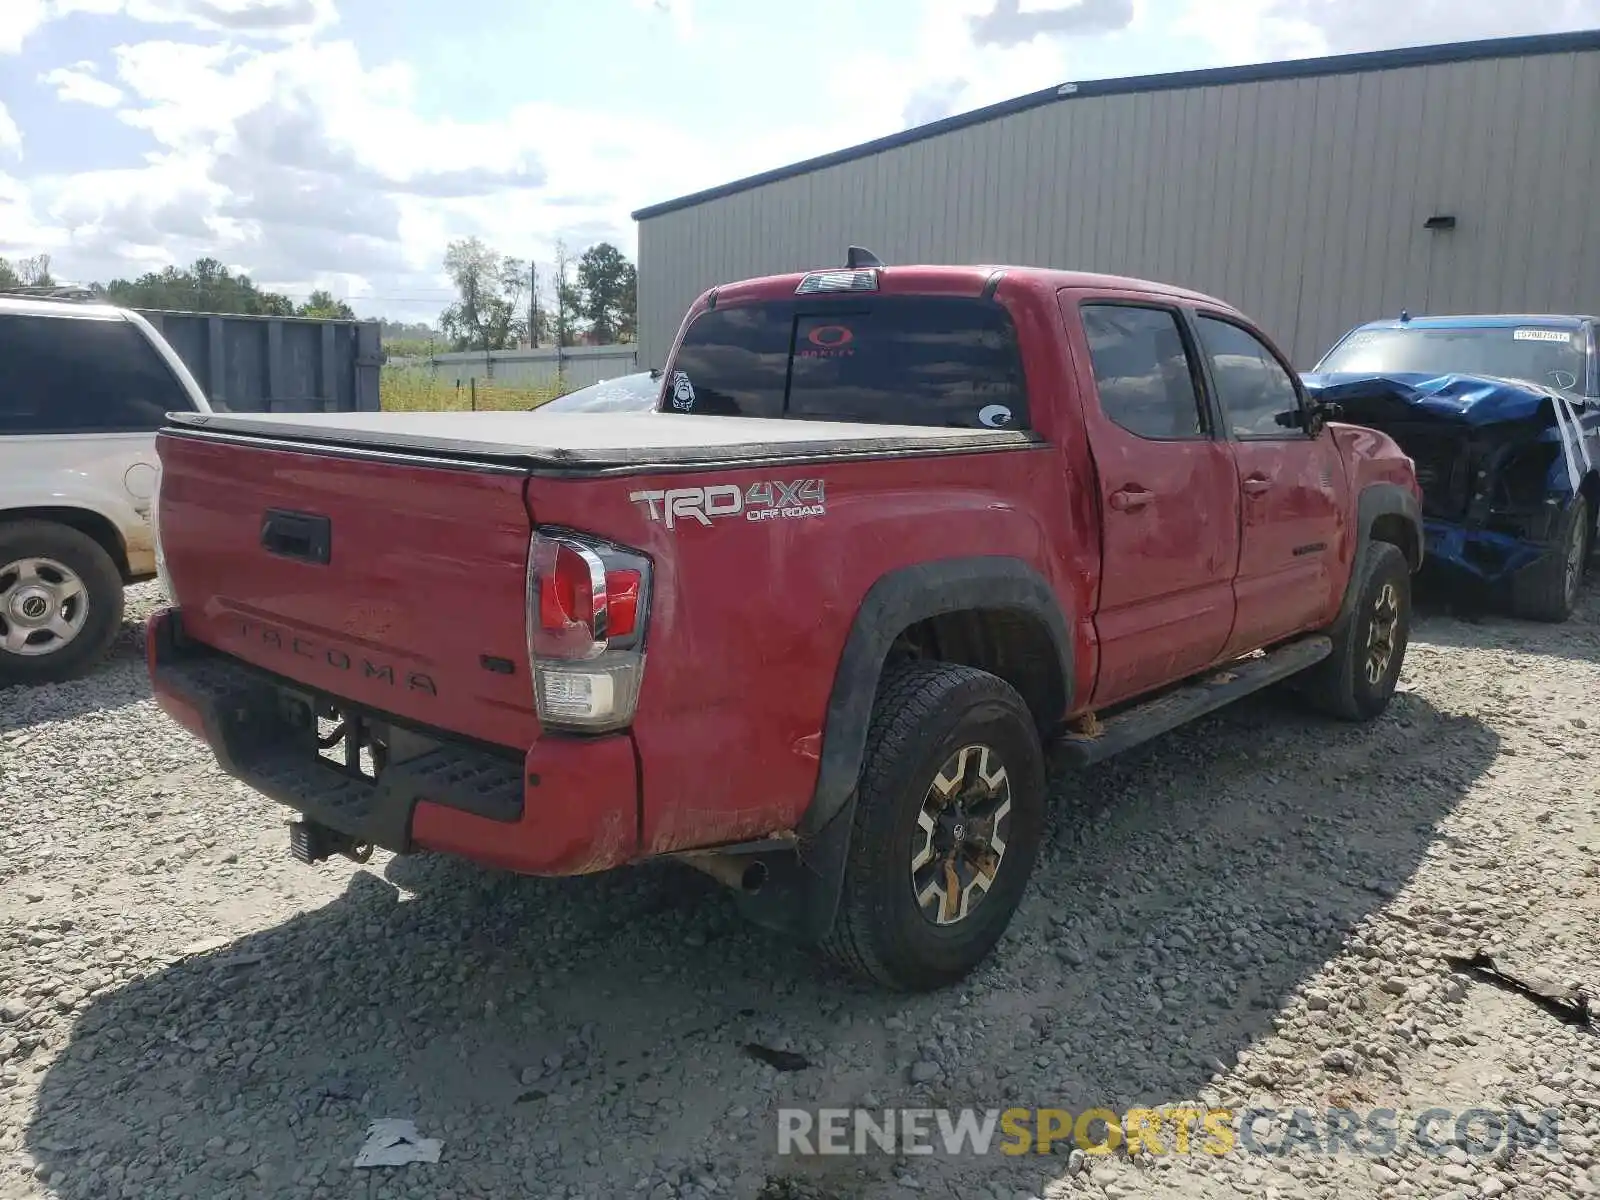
(597, 441)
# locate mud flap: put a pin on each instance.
(800, 898)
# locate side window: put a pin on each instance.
(1142, 371)
(1252, 385)
(66, 375)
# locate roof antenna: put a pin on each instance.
(861, 257)
(1405, 315)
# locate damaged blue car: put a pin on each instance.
(1501, 415)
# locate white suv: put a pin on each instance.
(83, 388)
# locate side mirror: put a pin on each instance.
(1312, 418)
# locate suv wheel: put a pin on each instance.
(1548, 590)
(949, 815)
(61, 602)
(1357, 681)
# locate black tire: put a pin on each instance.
(926, 714)
(1355, 683)
(102, 597)
(1549, 589)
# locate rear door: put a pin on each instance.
(80, 400)
(1168, 498)
(1291, 487)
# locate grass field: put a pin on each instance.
(402, 389)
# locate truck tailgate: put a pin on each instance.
(394, 584)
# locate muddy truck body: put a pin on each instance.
(1501, 415)
(810, 624)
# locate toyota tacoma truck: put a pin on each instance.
(1501, 415)
(809, 624)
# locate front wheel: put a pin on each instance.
(949, 816)
(61, 602)
(1548, 590)
(1357, 681)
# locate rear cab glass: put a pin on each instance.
(895, 360)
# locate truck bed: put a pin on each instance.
(596, 442)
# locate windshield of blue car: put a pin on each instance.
(1538, 354)
(629, 393)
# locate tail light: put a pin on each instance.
(588, 604)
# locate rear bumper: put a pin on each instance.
(568, 806)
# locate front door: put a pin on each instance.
(1294, 550)
(1168, 498)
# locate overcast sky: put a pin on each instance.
(343, 143)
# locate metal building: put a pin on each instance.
(1313, 194)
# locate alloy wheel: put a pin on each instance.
(962, 829)
(43, 606)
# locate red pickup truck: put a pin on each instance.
(810, 623)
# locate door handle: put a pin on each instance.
(1129, 498)
(1255, 485)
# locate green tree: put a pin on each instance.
(410, 347)
(400, 331)
(207, 286)
(569, 299)
(28, 272)
(488, 314)
(322, 304)
(608, 286)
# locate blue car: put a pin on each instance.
(637, 392)
(1501, 415)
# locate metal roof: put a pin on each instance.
(1299, 68)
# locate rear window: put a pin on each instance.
(73, 375)
(896, 360)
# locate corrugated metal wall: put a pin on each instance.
(277, 364)
(1302, 201)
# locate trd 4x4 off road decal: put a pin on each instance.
(774, 501)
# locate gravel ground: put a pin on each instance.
(1253, 912)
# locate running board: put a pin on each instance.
(1229, 682)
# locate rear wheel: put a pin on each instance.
(1357, 681)
(1548, 590)
(61, 602)
(949, 815)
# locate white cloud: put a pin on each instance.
(1256, 30)
(80, 85)
(1014, 22)
(680, 12)
(260, 18)
(10, 135)
(278, 19)
(263, 152)
(18, 19)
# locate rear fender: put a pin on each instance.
(802, 895)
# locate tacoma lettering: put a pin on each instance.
(339, 660)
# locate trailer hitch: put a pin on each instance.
(311, 843)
